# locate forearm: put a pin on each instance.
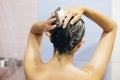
(32, 54)
(105, 23)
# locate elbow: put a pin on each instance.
(35, 30)
(114, 26)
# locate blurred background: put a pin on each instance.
(16, 18)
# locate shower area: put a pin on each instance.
(16, 19)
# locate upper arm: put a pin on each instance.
(103, 52)
(105, 45)
(33, 50)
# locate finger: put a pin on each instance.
(66, 20)
(52, 20)
(52, 27)
(52, 15)
(75, 19)
(48, 34)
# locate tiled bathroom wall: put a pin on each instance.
(115, 65)
(16, 18)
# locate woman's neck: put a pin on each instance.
(63, 59)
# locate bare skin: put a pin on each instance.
(35, 69)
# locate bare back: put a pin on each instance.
(56, 71)
(35, 69)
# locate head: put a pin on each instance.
(66, 40)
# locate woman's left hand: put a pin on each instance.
(76, 12)
(44, 26)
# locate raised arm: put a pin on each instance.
(33, 50)
(101, 57)
(105, 46)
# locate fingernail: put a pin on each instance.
(54, 25)
(71, 23)
(63, 26)
(54, 19)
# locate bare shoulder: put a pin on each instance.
(92, 73)
(66, 73)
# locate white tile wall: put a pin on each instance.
(115, 65)
(115, 75)
(116, 11)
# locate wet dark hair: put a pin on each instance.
(64, 40)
